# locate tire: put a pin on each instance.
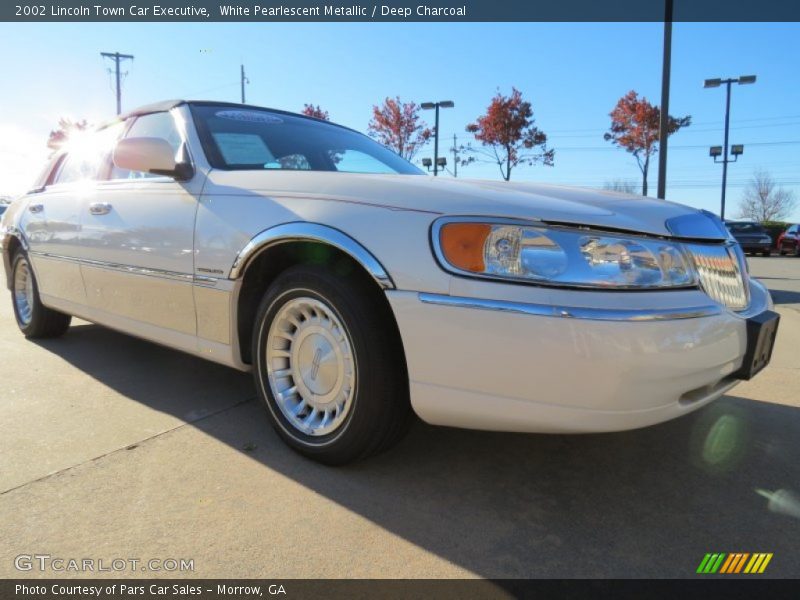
(766, 253)
(33, 318)
(782, 250)
(329, 365)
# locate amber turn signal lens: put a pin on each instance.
(462, 245)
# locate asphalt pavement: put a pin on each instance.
(112, 447)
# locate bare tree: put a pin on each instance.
(626, 186)
(764, 200)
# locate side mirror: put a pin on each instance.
(149, 155)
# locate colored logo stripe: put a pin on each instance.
(758, 563)
(734, 563)
(721, 562)
(710, 563)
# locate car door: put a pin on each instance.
(137, 240)
(52, 219)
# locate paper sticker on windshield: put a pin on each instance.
(251, 116)
(243, 148)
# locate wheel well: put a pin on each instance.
(10, 248)
(270, 263)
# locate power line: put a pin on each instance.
(683, 147)
(213, 89)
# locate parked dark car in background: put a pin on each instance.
(752, 237)
(789, 241)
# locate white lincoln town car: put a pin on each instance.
(360, 291)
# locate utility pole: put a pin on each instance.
(455, 156)
(663, 127)
(244, 80)
(117, 58)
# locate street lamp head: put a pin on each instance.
(715, 151)
(427, 162)
(427, 105)
(745, 79)
(712, 83)
(737, 149)
(446, 104)
(441, 161)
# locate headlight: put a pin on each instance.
(561, 256)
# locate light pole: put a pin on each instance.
(738, 149)
(663, 123)
(436, 105)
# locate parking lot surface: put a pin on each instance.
(111, 447)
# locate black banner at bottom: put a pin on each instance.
(250, 589)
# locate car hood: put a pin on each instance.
(448, 196)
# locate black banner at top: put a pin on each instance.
(394, 10)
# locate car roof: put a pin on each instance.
(166, 105)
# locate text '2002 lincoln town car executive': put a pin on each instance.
(357, 289)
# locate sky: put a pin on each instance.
(572, 73)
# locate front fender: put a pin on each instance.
(314, 232)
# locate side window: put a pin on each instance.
(87, 154)
(354, 161)
(75, 168)
(159, 125)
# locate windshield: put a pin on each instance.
(745, 228)
(255, 139)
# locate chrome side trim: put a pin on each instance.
(162, 274)
(299, 231)
(574, 312)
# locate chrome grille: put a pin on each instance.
(722, 273)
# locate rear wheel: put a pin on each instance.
(33, 318)
(766, 252)
(782, 250)
(329, 366)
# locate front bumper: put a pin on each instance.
(755, 246)
(497, 366)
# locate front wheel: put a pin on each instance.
(34, 319)
(329, 366)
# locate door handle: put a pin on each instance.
(99, 208)
(36, 208)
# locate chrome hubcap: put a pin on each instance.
(310, 366)
(23, 292)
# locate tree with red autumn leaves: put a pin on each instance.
(310, 110)
(508, 135)
(66, 127)
(398, 126)
(635, 127)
